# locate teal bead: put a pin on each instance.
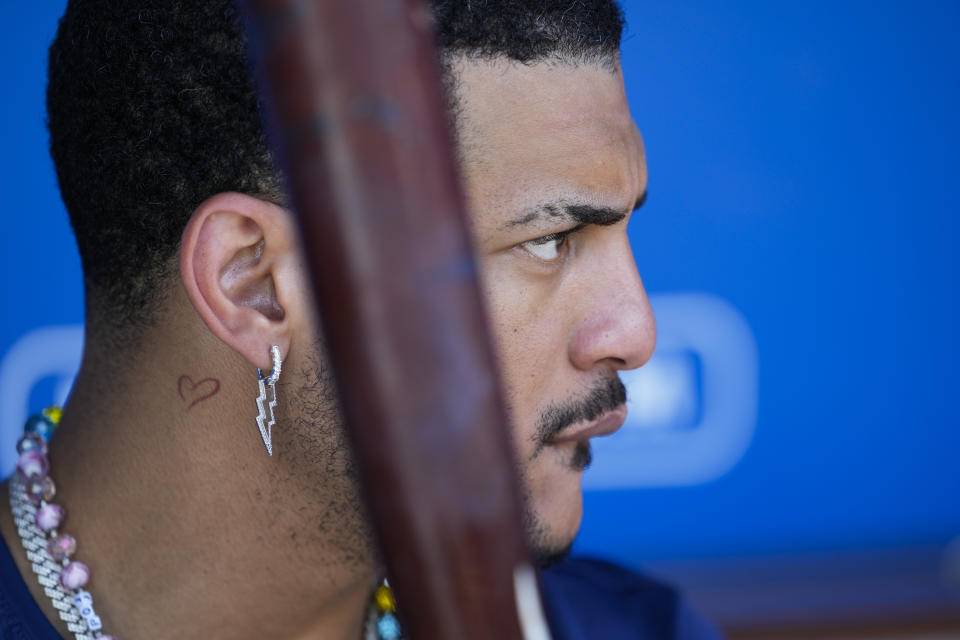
(40, 425)
(388, 627)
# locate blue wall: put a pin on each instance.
(803, 161)
(799, 240)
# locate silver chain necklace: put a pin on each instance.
(47, 569)
(74, 605)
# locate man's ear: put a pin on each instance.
(239, 264)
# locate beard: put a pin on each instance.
(322, 475)
(318, 478)
(605, 395)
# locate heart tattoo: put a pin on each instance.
(194, 392)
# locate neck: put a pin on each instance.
(189, 528)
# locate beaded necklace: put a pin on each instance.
(50, 550)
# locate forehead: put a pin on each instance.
(546, 132)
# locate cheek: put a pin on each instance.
(529, 342)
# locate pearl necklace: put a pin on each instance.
(50, 551)
(38, 521)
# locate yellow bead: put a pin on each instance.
(53, 414)
(384, 599)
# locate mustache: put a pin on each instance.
(606, 396)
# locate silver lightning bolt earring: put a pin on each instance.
(265, 425)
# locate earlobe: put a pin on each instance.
(234, 251)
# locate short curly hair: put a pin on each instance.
(151, 110)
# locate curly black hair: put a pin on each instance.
(151, 110)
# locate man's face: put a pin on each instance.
(553, 167)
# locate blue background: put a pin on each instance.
(803, 161)
(803, 165)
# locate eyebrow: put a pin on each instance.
(579, 213)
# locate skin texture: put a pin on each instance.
(191, 530)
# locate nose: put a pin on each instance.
(617, 329)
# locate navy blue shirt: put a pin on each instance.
(588, 599)
(585, 600)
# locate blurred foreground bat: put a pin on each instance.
(358, 124)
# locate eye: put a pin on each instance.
(548, 247)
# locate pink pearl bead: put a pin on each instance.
(49, 517)
(61, 547)
(74, 575)
(32, 464)
(40, 489)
